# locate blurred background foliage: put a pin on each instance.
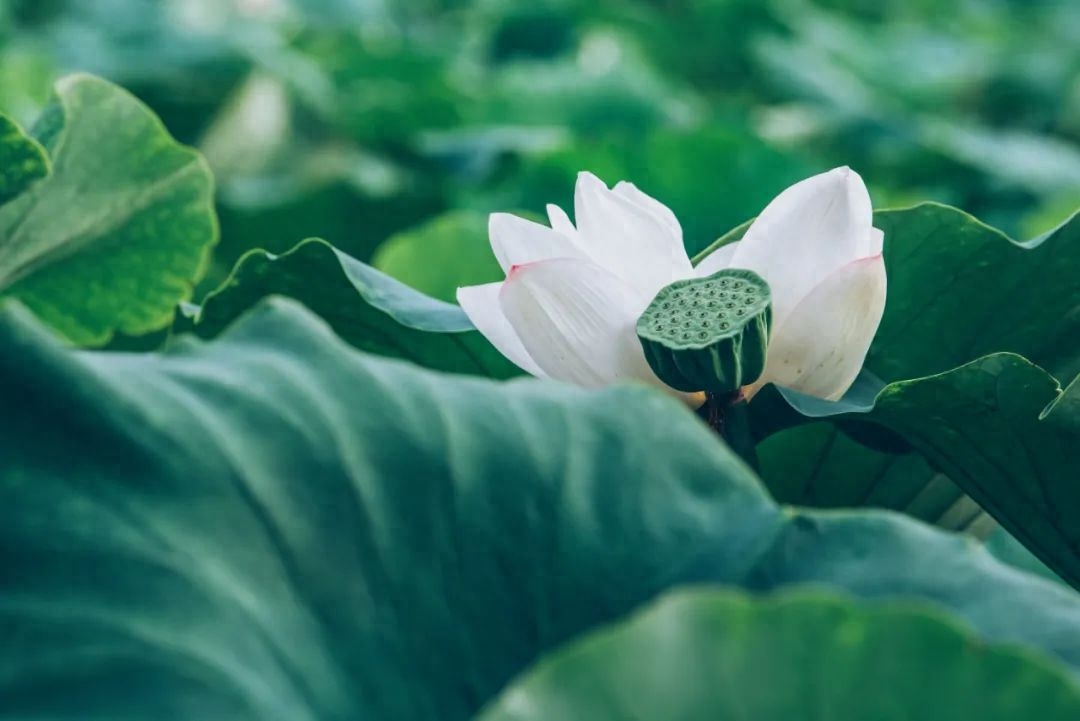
(367, 121)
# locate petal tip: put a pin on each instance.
(559, 221)
(586, 179)
(846, 175)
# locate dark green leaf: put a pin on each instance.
(275, 526)
(369, 309)
(1001, 428)
(706, 655)
(959, 290)
(1004, 430)
(820, 465)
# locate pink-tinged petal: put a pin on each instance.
(560, 221)
(577, 321)
(481, 304)
(627, 239)
(806, 233)
(663, 213)
(516, 241)
(717, 260)
(820, 347)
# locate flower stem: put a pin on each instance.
(727, 414)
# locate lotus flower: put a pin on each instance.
(572, 295)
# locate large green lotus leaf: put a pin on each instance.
(1001, 428)
(119, 231)
(441, 255)
(820, 465)
(368, 308)
(708, 654)
(1009, 436)
(959, 290)
(23, 161)
(274, 525)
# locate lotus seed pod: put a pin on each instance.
(708, 334)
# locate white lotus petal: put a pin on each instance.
(560, 221)
(716, 260)
(663, 213)
(627, 239)
(517, 241)
(820, 347)
(577, 321)
(806, 233)
(877, 241)
(481, 304)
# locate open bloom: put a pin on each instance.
(572, 295)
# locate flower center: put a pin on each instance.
(708, 333)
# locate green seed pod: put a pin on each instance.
(708, 334)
